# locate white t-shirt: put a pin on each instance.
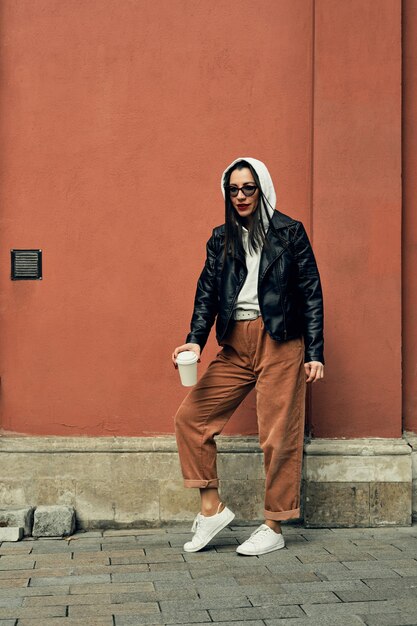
(248, 295)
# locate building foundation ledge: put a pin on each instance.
(358, 482)
(125, 482)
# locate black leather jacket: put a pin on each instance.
(289, 289)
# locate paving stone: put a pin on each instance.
(179, 578)
(393, 619)
(255, 613)
(337, 571)
(318, 558)
(70, 570)
(349, 608)
(34, 591)
(85, 545)
(112, 588)
(238, 623)
(15, 549)
(8, 566)
(136, 608)
(121, 549)
(166, 567)
(69, 580)
(8, 602)
(67, 600)
(265, 599)
(297, 577)
(18, 612)
(324, 620)
(364, 595)
(126, 560)
(116, 539)
(160, 585)
(52, 560)
(134, 531)
(382, 564)
(325, 585)
(406, 571)
(219, 572)
(163, 619)
(169, 606)
(86, 557)
(185, 595)
(59, 546)
(66, 621)
(400, 584)
(13, 583)
(163, 550)
(213, 586)
(213, 591)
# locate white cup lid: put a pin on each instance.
(188, 357)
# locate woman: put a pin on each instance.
(261, 280)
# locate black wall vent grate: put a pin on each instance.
(26, 264)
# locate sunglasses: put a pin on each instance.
(248, 190)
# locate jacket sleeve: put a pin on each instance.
(206, 300)
(311, 296)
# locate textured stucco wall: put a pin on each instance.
(357, 214)
(409, 291)
(117, 119)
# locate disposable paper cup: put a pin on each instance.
(187, 366)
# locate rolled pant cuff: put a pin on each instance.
(202, 484)
(282, 515)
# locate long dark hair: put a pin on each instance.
(233, 222)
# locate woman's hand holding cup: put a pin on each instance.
(194, 347)
(185, 358)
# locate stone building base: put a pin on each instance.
(358, 482)
(122, 482)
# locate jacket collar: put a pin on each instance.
(279, 220)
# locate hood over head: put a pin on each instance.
(265, 181)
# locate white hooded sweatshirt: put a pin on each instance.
(247, 298)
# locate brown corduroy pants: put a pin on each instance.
(249, 358)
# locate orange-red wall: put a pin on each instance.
(409, 282)
(357, 214)
(117, 119)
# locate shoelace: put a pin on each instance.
(199, 519)
(196, 523)
(258, 535)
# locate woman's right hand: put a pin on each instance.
(194, 347)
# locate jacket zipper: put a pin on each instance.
(282, 305)
(234, 300)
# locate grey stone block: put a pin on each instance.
(256, 613)
(10, 602)
(53, 521)
(18, 517)
(70, 580)
(163, 619)
(239, 623)
(394, 619)
(323, 620)
(11, 533)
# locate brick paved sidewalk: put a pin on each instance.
(134, 577)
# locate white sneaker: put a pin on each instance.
(261, 541)
(205, 528)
